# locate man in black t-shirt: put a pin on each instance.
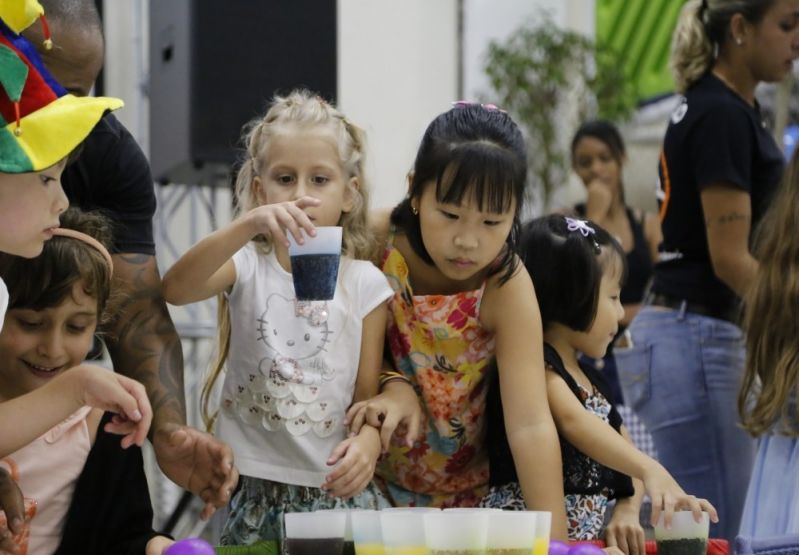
(112, 174)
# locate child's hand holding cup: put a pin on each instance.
(686, 536)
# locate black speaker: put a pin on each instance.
(215, 65)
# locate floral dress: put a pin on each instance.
(439, 345)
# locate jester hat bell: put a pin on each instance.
(40, 124)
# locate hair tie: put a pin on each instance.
(489, 107)
(703, 7)
(89, 240)
(582, 226)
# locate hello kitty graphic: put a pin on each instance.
(296, 347)
(285, 391)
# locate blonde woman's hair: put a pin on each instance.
(302, 110)
(771, 378)
(702, 28)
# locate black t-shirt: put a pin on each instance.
(581, 475)
(639, 260)
(714, 137)
(111, 174)
(110, 511)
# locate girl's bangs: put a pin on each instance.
(489, 175)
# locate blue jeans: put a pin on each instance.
(682, 376)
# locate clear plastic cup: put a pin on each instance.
(685, 537)
(456, 532)
(511, 532)
(411, 510)
(349, 546)
(403, 531)
(543, 526)
(367, 533)
(315, 533)
(314, 264)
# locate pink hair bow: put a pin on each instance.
(579, 225)
(489, 107)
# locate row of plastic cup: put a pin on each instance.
(419, 531)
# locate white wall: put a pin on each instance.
(493, 20)
(397, 71)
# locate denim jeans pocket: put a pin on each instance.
(634, 366)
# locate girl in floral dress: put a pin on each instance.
(461, 297)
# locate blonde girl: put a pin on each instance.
(293, 368)
(767, 401)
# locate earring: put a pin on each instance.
(739, 41)
(414, 210)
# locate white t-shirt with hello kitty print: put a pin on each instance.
(292, 366)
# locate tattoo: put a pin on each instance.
(143, 342)
(728, 218)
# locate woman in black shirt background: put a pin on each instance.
(718, 168)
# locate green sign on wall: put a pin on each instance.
(640, 30)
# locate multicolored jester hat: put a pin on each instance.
(40, 124)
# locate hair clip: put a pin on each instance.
(579, 225)
(489, 107)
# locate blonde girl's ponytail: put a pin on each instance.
(223, 342)
(691, 48)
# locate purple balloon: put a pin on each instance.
(190, 546)
(558, 548)
(586, 549)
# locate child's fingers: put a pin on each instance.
(610, 537)
(638, 545)
(338, 452)
(390, 422)
(120, 426)
(294, 219)
(657, 507)
(354, 487)
(298, 213)
(137, 409)
(356, 415)
(348, 483)
(414, 427)
(709, 509)
(668, 509)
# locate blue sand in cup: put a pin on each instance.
(314, 276)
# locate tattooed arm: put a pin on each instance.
(144, 345)
(728, 219)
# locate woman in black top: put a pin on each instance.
(598, 158)
(718, 168)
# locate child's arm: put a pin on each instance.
(207, 268)
(357, 455)
(511, 310)
(624, 529)
(597, 439)
(25, 418)
(157, 545)
(371, 358)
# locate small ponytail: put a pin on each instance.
(691, 48)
